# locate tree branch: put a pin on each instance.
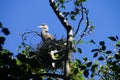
(69, 30)
(87, 25)
(80, 21)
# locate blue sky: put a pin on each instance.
(24, 15)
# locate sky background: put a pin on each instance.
(24, 15)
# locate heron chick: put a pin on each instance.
(44, 33)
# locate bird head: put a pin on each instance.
(44, 27)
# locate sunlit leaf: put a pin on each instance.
(76, 71)
(82, 67)
(83, 0)
(117, 45)
(94, 66)
(78, 61)
(61, 1)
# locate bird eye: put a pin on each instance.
(43, 24)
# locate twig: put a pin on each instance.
(87, 25)
(23, 40)
(80, 21)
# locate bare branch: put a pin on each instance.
(23, 38)
(87, 25)
(80, 21)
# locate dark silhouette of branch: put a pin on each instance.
(85, 11)
(80, 21)
(23, 38)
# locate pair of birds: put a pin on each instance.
(44, 33)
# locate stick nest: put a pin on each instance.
(44, 57)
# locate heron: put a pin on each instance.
(44, 33)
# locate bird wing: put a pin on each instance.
(49, 36)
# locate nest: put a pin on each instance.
(43, 51)
(44, 56)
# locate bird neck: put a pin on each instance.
(43, 31)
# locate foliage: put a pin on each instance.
(30, 64)
(25, 67)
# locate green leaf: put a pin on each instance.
(94, 50)
(103, 48)
(89, 64)
(61, 1)
(85, 58)
(95, 54)
(63, 6)
(5, 31)
(94, 66)
(1, 25)
(112, 38)
(101, 58)
(80, 50)
(72, 17)
(82, 67)
(81, 41)
(102, 43)
(92, 75)
(2, 40)
(86, 73)
(117, 37)
(83, 0)
(76, 71)
(92, 41)
(117, 56)
(108, 52)
(77, 61)
(118, 45)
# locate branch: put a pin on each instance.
(60, 16)
(87, 25)
(23, 38)
(80, 21)
(69, 30)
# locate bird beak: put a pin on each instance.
(39, 26)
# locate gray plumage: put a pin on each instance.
(44, 33)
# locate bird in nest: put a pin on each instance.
(44, 33)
